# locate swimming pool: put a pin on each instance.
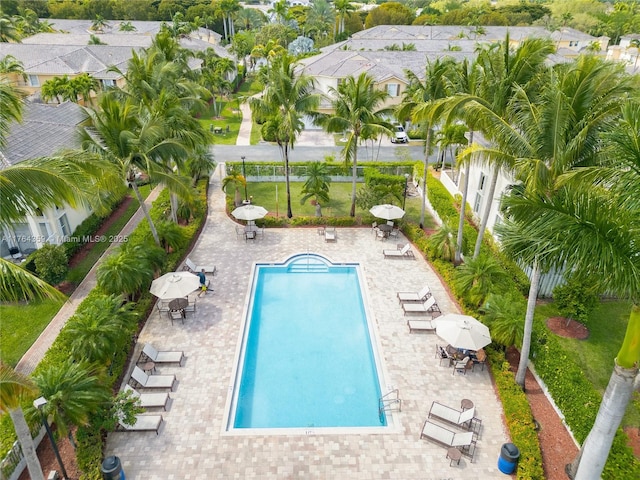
(307, 357)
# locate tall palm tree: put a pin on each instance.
(287, 98)
(13, 388)
(73, 391)
(10, 109)
(343, 8)
(357, 110)
(8, 31)
(317, 184)
(550, 132)
(418, 102)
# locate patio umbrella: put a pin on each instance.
(386, 211)
(249, 212)
(174, 285)
(462, 331)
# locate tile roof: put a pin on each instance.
(45, 130)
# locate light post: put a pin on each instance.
(39, 403)
(246, 198)
(406, 184)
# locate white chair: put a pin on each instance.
(390, 223)
(152, 381)
(149, 352)
(429, 306)
(421, 296)
(149, 400)
(143, 423)
(330, 234)
(399, 253)
(193, 268)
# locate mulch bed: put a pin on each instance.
(568, 328)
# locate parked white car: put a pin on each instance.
(400, 135)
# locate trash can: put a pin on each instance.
(112, 469)
(509, 455)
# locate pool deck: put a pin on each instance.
(192, 443)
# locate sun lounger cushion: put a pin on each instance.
(420, 326)
(438, 434)
(403, 252)
(144, 423)
(149, 352)
(451, 415)
(420, 296)
(429, 306)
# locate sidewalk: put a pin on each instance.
(34, 355)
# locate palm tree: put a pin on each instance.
(442, 244)
(8, 31)
(287, 98)
(99, 24)
(73, 391)
(10, 64)
(317, 185)
(503, 313)
(478, 277)
(122, 273)
(280, 11)
(10, 109)
(83, 85)
(552, 131)
(319, 19)
(13, 388)
(127, 27)
(356, 103)
(235, 181)
(418, 102)
(125, 135)
(343, 8)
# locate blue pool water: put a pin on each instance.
(307, 357)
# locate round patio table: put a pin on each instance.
(178, 305)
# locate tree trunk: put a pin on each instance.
(592, 457)
(424, 176)
(173, 201)
(286, 176)
(528, 325)
(354, 172)
(487, 209)
(145, 211)
(224, 25)
(26, 443)
(463, 207)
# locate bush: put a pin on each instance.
(51, 263)
(575, 298)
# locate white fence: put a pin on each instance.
(14, 463)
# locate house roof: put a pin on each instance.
(45, 130)
(411, 33)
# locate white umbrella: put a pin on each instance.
(174, 285)
(249, 212)
(462, 331)
(386, 211)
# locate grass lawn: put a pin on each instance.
(230, 117)
(22, 323)
(264, 194)
(607, 326)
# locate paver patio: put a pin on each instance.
(192, 443)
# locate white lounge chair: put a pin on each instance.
(152, 381)
(409, 297)
(144, 423)
(463, 419)
(429, 306)
(399, 252)
(463, 440)
(330, 234)
(149, 400)
(193, 268)
(421, 326)
(149, 352)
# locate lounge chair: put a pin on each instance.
(152, 381)
(330, 234)
(464, 418)
(399, 252)
(421, 326)
(421, 296)
(429, 306)
(149, 352)
(463, 440)
(149, 400)
(193, 268)
(144, 423)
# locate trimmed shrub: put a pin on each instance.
(51, 263)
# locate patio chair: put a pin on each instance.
(479, 359)
(462, 440)
(374, 227)
(462, 366)
(429, 306)
(152, 381)
(149, 352)
(463, 419)
(390, 223)
(193, 268)
(421, 326)
(421, 296)
(162, 306)
(380, 235)
(394, 233)
(250, 235)
(144, 423)
(330, 234)
(192, 303)
(149, 400)
(404, 252)
(442, 354)
(175, 315)
(239, 232)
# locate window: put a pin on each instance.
(477, 203)
(498, 220)
(108, 83)
(34, 81)
(393, 89)
(483, 177)
(64, 225)
(44, 229)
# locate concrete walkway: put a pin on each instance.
(193, 442)
(34, 355)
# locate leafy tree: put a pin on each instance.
(343, 9)
(8, 31)
(477, 277)
(357, 111)
(503, 313)
(277, 32)
(390, 13)
(13, 388)
(51, 263)
(442, 243)
(287, 98)
(576, 298)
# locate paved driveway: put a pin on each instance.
(193, 444)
